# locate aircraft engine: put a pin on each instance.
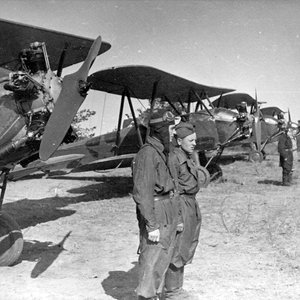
(35, 58)
(35, 88)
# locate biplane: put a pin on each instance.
(270, 117)
(37, 105)
(216, 127)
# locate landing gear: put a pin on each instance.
(215, 171)
(11, 238)
(211, 167)
(256, 156)
(203, 176)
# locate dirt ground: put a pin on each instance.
(81, 237)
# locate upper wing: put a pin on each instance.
(139, 81)
(230, 101)
(16, 36)
(271, 111)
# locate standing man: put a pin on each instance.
(157, 209)
(285, 149)
(187, 185)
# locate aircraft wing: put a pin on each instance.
(230, 101)
(271, 111)
(113, 162)
(68, 161)
(139, 81)
(16, 36)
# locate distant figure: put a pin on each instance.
(285, 150)
(282, 123)
(293, 136)
(244, 120)
(181, 162)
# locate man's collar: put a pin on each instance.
(155, 143)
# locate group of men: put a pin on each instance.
(165, 186)
(166, 182)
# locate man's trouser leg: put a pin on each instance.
(290, 177)
(285, 177)
(154, 261)
(173, 282)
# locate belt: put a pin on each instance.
(188, 194)
(163, 196)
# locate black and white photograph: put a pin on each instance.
(149, 150)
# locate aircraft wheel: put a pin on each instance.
(215, 172)
(203, 176)
(11, 240)
(256, 156)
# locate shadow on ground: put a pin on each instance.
(43, 253)
(30, 212)
(121, 285)
(268, 181)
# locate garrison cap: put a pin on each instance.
(161, 118)
(184, 129)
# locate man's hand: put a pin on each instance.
(154, 235)
(179, 227)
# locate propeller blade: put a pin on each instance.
(257, 128)
(73, 93)
(290, 119)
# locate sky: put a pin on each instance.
(244, 45)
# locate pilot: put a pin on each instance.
(185, 168)
(244, 120)
(156, 206)
(242, 107)
(285, 149)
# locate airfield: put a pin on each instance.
(81, 236)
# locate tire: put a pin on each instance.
(215, 172)
(11, 240)
(256, 156)
(203, 177)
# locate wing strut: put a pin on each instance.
(152, 102)
(119, 122)
(126, 94)
(172, 105)
(198, 97)
(134, 118)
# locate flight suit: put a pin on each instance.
(187, 240)
(157, 208)
(285, 149)
(295, 151)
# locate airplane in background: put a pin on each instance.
(37, 105)
(214, 127)
(271, 119)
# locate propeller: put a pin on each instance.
(257, 125)
(74, 90)
(290, 122)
